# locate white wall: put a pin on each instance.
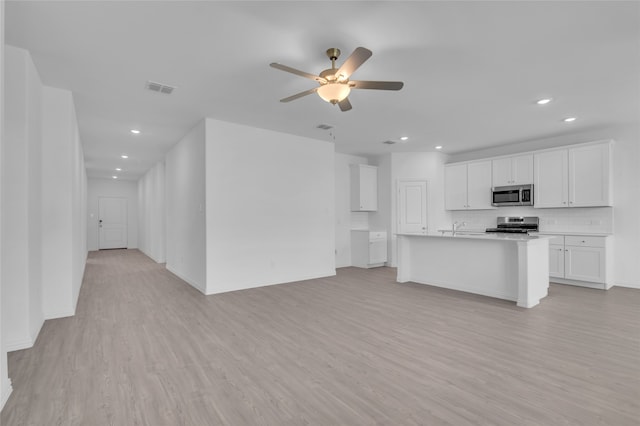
(345, 219)
(22, 201)
(5, 382)
(185, 208)
(151, 213)
(128, 190)
(64, 200)
(626, 183)
(381, 219)
(270, 207)
(427, 166)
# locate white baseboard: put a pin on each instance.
(157, 260)
(628, 285)
(328, 273)
(5, 392)
(56, 315)
(18, 344)
(185, 279)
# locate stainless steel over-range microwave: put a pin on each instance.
(514, 195)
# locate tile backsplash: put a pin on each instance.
(584, 219)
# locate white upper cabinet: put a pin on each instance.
(589, 176)
(517, 170)
(364, 188)
(468, 186)
(551, 171)
(574, 177)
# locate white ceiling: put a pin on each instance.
(472, 70)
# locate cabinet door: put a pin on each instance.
(550, 188)
(455, 187)
(368, 188)
(364, 188)
(585, 263)
(501, 172)
(522, 170)
(589, 176)
(556, 261)
(479, 185)
(377, 251)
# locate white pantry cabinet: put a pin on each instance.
(517, 170)
(468, 186)
(583, 260)
(573, 177)
(364, 188)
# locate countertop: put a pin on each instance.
(586, 234)
(481, 236)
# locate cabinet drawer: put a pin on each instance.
(377, 236)
(585, 241)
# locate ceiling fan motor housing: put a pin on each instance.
(333, 53)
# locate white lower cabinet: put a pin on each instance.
(556, 260)
(584, 260)
(368, 248)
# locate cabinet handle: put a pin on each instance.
(564, 202)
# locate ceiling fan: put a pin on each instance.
(335, 85)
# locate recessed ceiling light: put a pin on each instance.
(115, 177)
(569, 119)
(543, 101)
(135, 132)
(124, 156)
(439, 147)
(404, 138)
(118, 169)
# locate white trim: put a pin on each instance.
(5, 393)
(19, 344)
(480, 292)
(628, 285)
(331, 273)
(185, 279)
(60, 314)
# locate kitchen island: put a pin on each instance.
(505, 266)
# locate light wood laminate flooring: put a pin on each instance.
(145, 348)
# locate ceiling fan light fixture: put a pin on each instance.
(334, 92)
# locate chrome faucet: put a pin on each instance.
(456, 226)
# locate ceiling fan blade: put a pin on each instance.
(344, 105)
(299, 95)
(377, 85)
(297, 72)
(354, 61)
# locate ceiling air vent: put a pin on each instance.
(324, 126)
(389, 142)
(159, 87)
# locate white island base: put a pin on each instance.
(503, 266)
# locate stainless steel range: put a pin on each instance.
(516, 224)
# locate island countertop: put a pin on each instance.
(481, 235)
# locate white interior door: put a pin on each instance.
(112, 223)
(412, 206)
